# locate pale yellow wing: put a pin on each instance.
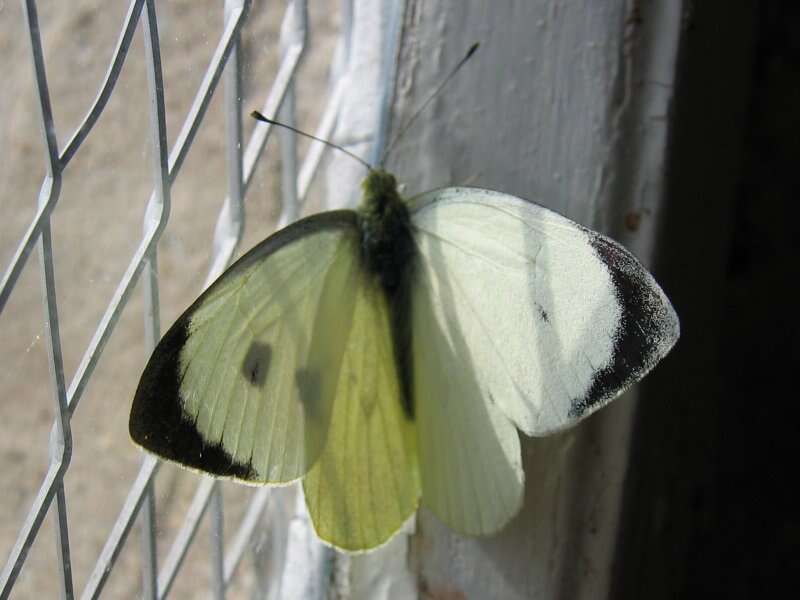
(242, 384)
(365, 484)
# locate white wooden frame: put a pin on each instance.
(566, 104)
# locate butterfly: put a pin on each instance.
(388, 357)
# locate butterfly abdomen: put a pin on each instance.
(388, 255)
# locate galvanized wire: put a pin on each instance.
(140, 501)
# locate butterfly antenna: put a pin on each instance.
(429, 99)
(259, 117)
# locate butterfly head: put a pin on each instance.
(382, 206)
(380, 190)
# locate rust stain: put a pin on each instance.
(633, 220)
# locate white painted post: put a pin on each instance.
(565, 103)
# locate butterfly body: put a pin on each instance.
(388, 253)
(387, 356)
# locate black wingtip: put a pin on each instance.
(158, 423)
(649, 328)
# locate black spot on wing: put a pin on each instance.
(543, 314)
(158, 422)
(256, 363)
(639, 335)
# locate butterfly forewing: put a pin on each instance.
(558, 319)
(520, 317)
(242, 384)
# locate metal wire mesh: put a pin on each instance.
(159, 573)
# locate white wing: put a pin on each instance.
(519, 315)
(469, 454)
(558, 320)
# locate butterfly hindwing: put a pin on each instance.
(365, 484)
(242, 384)
(469, 450)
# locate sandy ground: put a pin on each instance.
(96, 228)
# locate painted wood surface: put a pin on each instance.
(568, 104)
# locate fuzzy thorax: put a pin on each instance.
(387, 245)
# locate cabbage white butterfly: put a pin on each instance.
(387, 357)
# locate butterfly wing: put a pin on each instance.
(365, 484)
(285, 365)
(521, 318)
(469, 450)
(242, 384)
